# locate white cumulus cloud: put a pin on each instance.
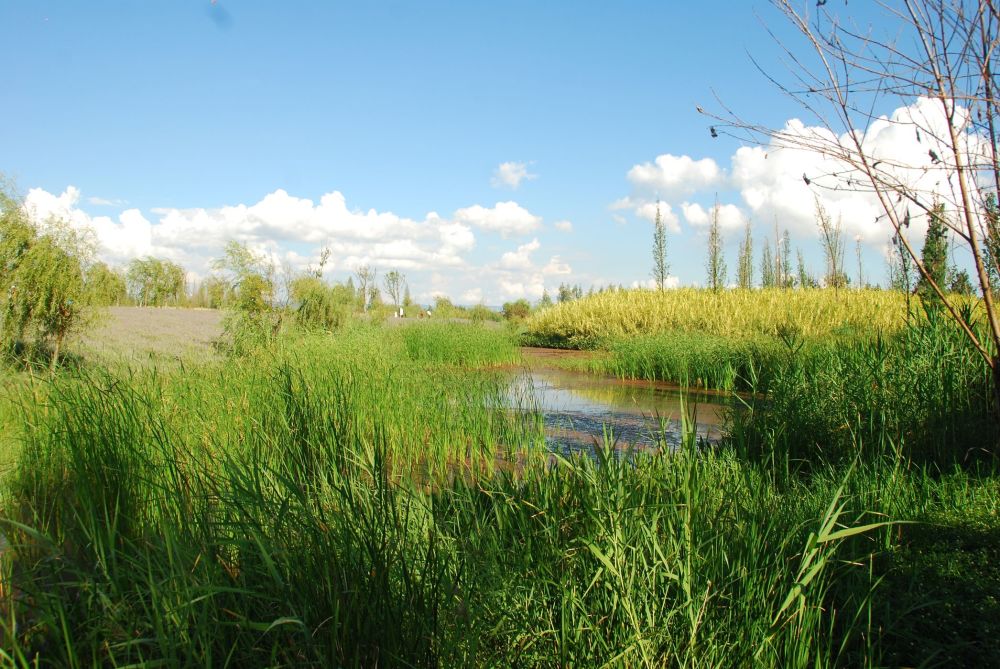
(782, 181)
(521, 258)
(650, 284)
(507, 218)
(730, 216)
(670, 175)
(511, 174)
(433, 250)
(556, 266)
(647, 211)
(194, 236)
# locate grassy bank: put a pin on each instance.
(365, 499)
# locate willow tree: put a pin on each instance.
(105, 286)
(935, 66)
(43, 295)
(253, 319)
(154, 282)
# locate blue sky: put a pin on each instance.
(170, 121)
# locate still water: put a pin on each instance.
(578, 409)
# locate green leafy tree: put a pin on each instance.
(517, 310)
(395, 283)
(546, 300)
(320, 306)
(934, 256)
(253, 321)
(43, 295)
(215, 291)
(49, 294)
(155, 283)
(444, 308)
(105, 286)
(366, 281)
(961, 284)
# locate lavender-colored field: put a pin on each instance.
(154, 332)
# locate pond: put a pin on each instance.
(579, 408)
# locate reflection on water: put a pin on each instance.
(578, 409)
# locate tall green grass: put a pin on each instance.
(458, 343)
(700, 361)
(353, 501)
(135, 544)
(924, 391)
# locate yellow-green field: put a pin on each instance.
(731, 313)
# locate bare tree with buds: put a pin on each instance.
(936, 69)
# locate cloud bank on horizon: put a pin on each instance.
(760, 184)
(292, 231)
(781, 183)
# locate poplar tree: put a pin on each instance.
(805, 279)
(787, 279)
(934, 255)
(833, 247)
(716, 265)
(660, 266)
(767, 275)
(745, 269)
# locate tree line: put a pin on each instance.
(774, 267)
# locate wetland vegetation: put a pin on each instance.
(379, 495)
(782, 476)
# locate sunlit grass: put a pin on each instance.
(367, 498)
(615, 315)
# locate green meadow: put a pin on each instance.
(377, 496)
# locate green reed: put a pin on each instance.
(343, 501)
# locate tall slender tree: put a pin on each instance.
(716, 264)
(833, 247)
(805, 278)
(934, 255)
(394, 282)
(366, 281)
(787, 278)
(861, 268)
(661, 268)
(767, 276)
(744, 274)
